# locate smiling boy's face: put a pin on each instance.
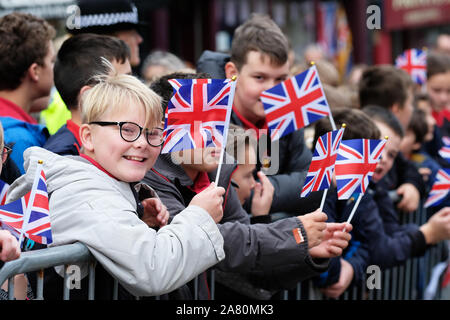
(126, 161)
(390, 151)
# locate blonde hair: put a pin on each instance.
(113, 92)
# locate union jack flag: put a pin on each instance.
(440, 188)
(321, 168)
(198, 114)
(29, 215)
(294, 103)
(355, 164)
(3, 191)
(414, 61)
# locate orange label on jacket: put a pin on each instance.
(298, 235)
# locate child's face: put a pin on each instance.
(255, 76)
(390, 151)
(126, 161)
(408, 144)
(199, 160)
(438, 88)
(243, 176)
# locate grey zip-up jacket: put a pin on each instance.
(89, 206)
(267, 250)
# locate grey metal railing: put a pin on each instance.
(405, 282)
(38, 260)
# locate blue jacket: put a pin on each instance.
(23, 135)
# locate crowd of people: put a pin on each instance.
(156, 221)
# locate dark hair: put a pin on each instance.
(23, 41)
(162, 86)
(358, 125)
(437, 63)
(261, 34)
(418, 125)
(80, 58)
(384, 86)
(385, 116)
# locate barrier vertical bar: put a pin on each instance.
(394, 283)
(40, 285)
(115, 289)
(401, 274)
(11, 288)
(196, 288)
(387, 279)
(91, 293)
(66, 292)
(213, 284)
(285, 295)
(298, 293)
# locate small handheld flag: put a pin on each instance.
(322, 164)
(355, 164)
(197, 114)
(440, 188)
(295, 103)
(414, 61)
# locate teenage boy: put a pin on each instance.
(391, 88)
(79, 59)
(26, 73)
(259, 59)
(281, 253)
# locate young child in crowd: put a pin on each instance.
(377, 236)
(78, 60)
(241, 146)
(438, 89)
(391, 88)
(274, 251)
(93, 197)
(27, 56)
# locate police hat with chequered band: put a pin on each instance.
(105, 16)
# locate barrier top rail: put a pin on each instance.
(40, 259)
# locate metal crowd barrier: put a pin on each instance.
(405, 282)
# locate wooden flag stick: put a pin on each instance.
(225, 131)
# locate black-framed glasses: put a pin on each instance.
(130, 132)
(5, 152)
